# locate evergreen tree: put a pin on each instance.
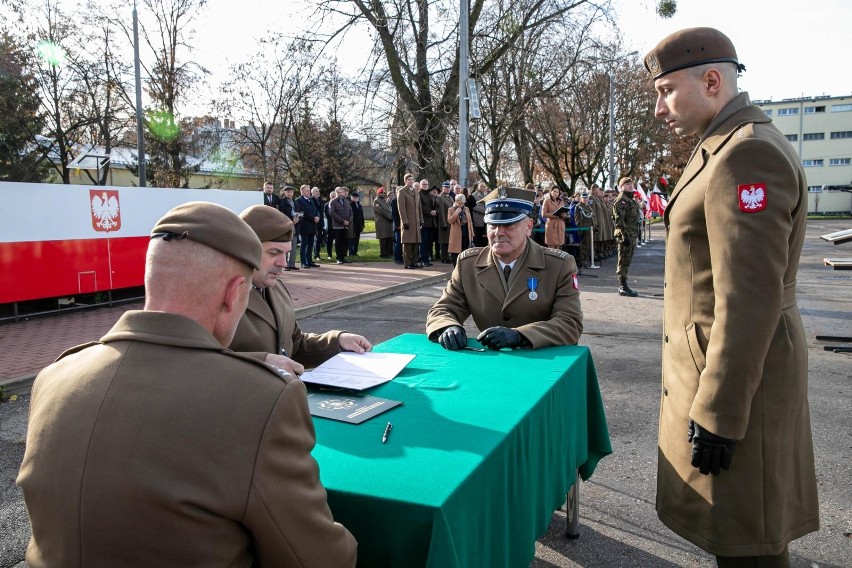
(22, 158)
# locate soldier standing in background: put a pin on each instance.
(410, 218)
(444, 202)
(625, 214)
(584, 218)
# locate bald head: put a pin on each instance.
(190, 279)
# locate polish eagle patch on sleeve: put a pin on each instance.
(752, 197)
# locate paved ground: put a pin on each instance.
(618, 527)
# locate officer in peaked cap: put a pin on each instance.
(157, 424)
(519, 293)
(742, 484)
(269, 331)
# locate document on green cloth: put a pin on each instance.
(352, 408)
(357, 371)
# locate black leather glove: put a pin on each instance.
(405, 226)
(499, 337)
(626, 241)
(453, 338)
(709, 451)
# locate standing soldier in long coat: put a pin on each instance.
(742, 484)
(584, 218)
(384, 223)
(410, 218)
(444, 203)
(603, 220)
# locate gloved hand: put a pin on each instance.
(453, 338)
(626, 241)
(405, 226)
(498, 337)
(709, 451)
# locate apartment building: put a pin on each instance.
(820, 129)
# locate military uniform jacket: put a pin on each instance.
(626, 215)
(384, 218)
(476, 289)
(270, 326)
(734, 351)
(410, 213)
(584, 215)
(157, 447)
(603, 219)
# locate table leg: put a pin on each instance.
(572, 510)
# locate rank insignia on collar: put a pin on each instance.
(752, 197)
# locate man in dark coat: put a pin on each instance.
(340, 211)
(357, 225)
(288, 206)
(309, 217)
(741, 484)
(322, 230)
(269, 197)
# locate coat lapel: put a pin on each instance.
(258, 306)
(487, 275)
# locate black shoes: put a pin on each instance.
(624, 289)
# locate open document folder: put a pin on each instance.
(356, 371)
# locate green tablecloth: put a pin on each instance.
(481, 454)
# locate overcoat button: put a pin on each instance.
(665, 392)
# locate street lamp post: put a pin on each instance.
(612, 119)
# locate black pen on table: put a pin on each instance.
(388, 428)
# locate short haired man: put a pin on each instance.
(269, 197)
(411, 219)
(735, 225)
(268, 330)
(518, 292)
(626, 215)
(158, 446)
(309, 217)
(287, 205)
(340, 210)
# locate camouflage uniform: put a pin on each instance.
(625, 214)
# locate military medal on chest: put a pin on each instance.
(532, 284)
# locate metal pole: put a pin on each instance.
(611, 131)
(463, 76)
(140, 130)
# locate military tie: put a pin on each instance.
(507, 270)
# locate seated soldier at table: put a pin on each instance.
(519, 293)
(157, 446)
(268, 330)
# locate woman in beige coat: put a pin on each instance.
(461, 227)
(554, 228)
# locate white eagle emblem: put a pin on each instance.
(105, 211)
(752, 198)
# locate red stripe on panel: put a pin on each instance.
(48, 269)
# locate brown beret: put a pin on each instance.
(213, 226)
(624, 180)
(268, 223)
(688, 48)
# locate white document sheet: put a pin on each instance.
(357, 371)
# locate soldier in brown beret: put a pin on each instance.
(625, 216)
(157, 446)
(268, 330)
(742, 484)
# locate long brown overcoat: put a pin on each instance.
(476, 289)
(271, 326)
(410, 213)
(444, 203)
(455, 232)
(554, 228)
(157, 447)
(734, 352)
(383, 217)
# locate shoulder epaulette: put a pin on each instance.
(556, 252)
(470, 252)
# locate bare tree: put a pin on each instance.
(417, 44)
(265, 95)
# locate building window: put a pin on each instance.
(813, 109)
(792, 137)
(841, 108)
(813, 136)
(768, 111)
(790, 110)
(840, 162)
(812, 163)
(841, 134)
